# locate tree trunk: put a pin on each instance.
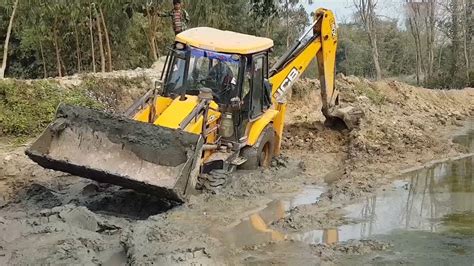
(414, 16)
(56, 48)
(366, 11)
(372, 31)
(470, 29)
(418, 50)
(375, 56)
(456, 46)
(417, 69)
(440, 55)
(7, 41)
(101, 45)
(267, 31)
(91, 32)
(151, 34)
(466, 38)
(153, 48)
(107, 40)
(63, 65)
(287, 24)
(45, 73)
(78, 50)
(430, 37)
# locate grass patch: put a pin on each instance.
(27, 107)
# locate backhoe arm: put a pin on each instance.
(322, 45)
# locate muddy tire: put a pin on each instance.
(213, 181)
(261, 154)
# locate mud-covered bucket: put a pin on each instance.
(117, 150)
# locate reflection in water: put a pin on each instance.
(254, 229)
(467, 138)
(435, 199)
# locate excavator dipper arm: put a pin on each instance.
(321, 44)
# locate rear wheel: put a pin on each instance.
(261, 154)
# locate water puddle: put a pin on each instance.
(431, 199)
(428, 210)
(254, 229)
(429, 220)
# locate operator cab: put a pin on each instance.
(233, 65)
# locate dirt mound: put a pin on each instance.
(401, 127)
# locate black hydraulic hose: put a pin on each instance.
(284, 58)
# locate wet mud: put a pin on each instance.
(322, 202)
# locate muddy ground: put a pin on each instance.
(50, 217)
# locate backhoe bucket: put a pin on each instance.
(117, 150)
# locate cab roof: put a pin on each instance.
(224, 41)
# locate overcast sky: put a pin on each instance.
(344, 9)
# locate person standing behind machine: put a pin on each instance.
(179, 16)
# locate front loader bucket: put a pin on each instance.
(117, 150)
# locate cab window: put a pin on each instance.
(258, 76)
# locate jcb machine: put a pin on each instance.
(219, 107)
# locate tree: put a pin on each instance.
(468, 31)
(7, 40)
(106, 33)
(264, 12)
(91, 35)
(421, 18)
(456, 40)
(366, 13)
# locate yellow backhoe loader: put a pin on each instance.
(218, 107)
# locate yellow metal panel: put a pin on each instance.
(224, 41)
(327, 57)
(257, 127)
(161, 104)
(278, 125)
(196, 126)
(176, 112)
(280, 80)
(143, 115)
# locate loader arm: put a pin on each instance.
(322, 45)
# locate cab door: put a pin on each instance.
(258, 76)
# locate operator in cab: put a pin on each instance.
(223, 80)
(216, 71)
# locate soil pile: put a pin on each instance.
(403, 126)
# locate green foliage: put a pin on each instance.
(131, 26)
(26, 108)
(354, 53)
